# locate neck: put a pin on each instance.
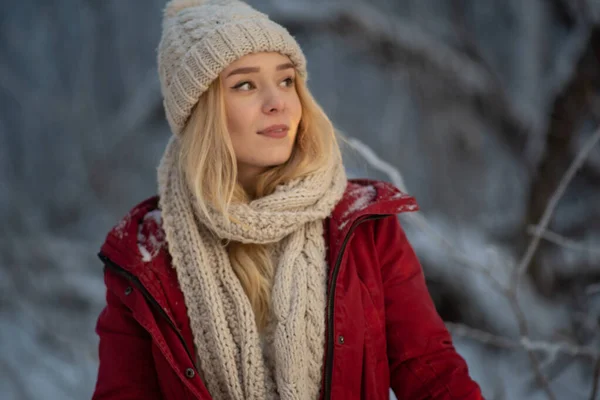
(247, 178)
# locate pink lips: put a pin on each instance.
(275, 131)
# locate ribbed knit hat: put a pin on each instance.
(200, 38)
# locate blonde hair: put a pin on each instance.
(208, 163)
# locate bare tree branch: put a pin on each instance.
(569, 109)
(549, 348)
(551, 206)
(521, 268)
(561, 240)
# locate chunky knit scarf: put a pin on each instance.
(228, 344)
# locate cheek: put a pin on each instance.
(296, 109)
(235, 117)
(240, 124)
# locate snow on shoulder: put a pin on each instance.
(151, 237)
(363, 193)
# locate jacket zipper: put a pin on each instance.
(136, 282)
(330, 300)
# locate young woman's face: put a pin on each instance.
(263, 110)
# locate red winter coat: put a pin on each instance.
(382, 328)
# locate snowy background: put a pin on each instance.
(485, 110)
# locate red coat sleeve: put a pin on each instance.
(126, 370)
(422, 359)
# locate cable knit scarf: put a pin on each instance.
(230, 353)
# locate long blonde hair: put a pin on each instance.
(208, 163)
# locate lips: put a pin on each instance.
(275, 131)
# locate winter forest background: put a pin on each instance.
(486, 110)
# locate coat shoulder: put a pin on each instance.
(368, 197)
(138, 238)
(137, 215)
(365, 198)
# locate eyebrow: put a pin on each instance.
(248, 70)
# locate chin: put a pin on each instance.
(275, 158)
(276, 163)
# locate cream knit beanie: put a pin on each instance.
(200, 38)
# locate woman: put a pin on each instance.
(260, 271)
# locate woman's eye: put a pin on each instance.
(244, 86)
(248, 85)
(289, 81)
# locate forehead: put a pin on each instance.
(263, 59)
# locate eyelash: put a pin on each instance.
(239, 85)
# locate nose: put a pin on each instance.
(273, 102)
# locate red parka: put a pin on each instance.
(382, 327)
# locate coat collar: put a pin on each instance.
(365, 197)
